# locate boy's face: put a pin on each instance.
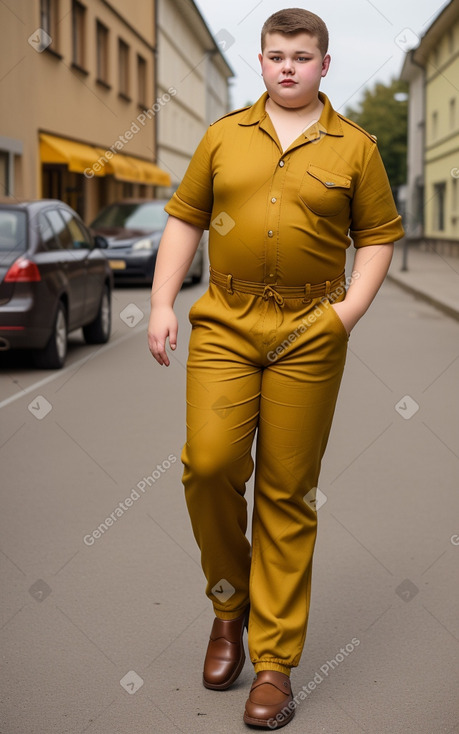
(292, 67)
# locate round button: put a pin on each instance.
(273, 200)
(270, 233)
(282, 164)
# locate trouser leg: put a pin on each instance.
(298, 396)
(223, 393)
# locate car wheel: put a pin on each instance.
(52, 357)
(98, 331)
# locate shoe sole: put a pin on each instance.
(263, 723)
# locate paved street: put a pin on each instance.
(104, 632)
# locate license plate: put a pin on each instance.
(117, 264)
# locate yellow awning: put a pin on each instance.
(150, 173)
(136, 170)
(82, 158)
(118, 165)
(77, 156)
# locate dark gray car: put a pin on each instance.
(133, 229)
(53, 280)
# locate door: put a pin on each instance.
(95, 265)
(73, 261)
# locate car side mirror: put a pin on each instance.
(100, 242)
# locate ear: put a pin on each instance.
(260, 59)
(326, 64)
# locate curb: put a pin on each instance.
(418, 293)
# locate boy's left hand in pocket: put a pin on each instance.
(346, 315)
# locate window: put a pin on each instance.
(141, 81)
(102, 52)
(80, 240)
(4, 173)
(60, 230)
(78, 34)
(123, 62)
(419, 206)
(452, 113)
(49, 19)
(128, 190)
(435, 125)
(49, 241)
(13, 231)
(455, 196)
(439, 206)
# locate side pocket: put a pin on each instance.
(195, 309)
(339, 324)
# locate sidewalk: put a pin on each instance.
(430, 276)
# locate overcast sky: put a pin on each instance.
(367, 38)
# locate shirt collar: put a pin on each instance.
(329, 122)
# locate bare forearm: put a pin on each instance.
(370, 268)
(176, 251)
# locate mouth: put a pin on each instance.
(287, 83)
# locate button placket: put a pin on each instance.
(272, 224)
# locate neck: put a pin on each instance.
(314, 107)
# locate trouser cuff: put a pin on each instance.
(230, 615)
(272, 666)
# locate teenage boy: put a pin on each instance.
(283, 187)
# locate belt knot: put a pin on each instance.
(270, 292)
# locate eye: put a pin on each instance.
(275, 58)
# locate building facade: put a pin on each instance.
(79, 102)
(191, 62)
(414, 204)
(432, 70)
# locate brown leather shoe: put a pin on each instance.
(268, 703)
(225, 655)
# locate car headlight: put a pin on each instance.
(143, 245)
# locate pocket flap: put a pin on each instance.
(329, 179)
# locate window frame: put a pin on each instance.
(142, 81)
(79, 35)
(124, 63)
(102, 54)
(439, 202)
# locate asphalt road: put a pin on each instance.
(105, 632)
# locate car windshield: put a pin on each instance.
(149, 216)
(12, 230)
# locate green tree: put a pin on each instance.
(383, 112)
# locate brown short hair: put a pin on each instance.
(296, 20)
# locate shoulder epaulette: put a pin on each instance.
(373, 138)
(233, 112)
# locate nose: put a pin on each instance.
(287, 66)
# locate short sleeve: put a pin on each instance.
(193, 199)
(374, 216)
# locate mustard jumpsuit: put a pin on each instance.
(267, 352)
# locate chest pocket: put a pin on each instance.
(324, 192)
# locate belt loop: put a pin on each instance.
(307, 293)
(327, 287)
(229, 284)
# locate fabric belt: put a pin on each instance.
(307, 292)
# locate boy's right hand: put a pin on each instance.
(163, 323)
